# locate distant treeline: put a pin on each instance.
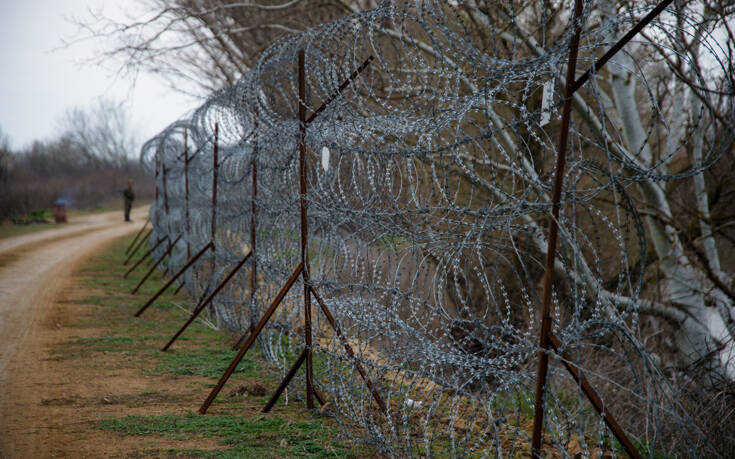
(33, 179)
(88, 164)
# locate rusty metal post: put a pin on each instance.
(547, 338)
(341, 88)
(200, 307)
(251, 339)
(187, 218)
(335, 326)
(132, 268)
(173, 279)
(158, 166)
(286, 380)
(619, 45)
(305, 229)
(142, 228)
(215, 165)
(253, 223)
(214, 181)
(589, 391)
(135, 250)
(155, 265)
(155, 200)
(165, 193)
(311, 391)
(181, 285)
(546, 307)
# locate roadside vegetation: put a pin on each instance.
(43, 219)
(178, 380)
(86, 165)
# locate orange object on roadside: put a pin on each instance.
(60, 211)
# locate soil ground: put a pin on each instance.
(81, 377)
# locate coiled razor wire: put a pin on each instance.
(429, 182)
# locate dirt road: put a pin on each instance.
(35, 269)
(80, 377)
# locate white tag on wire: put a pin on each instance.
(546, 99)
(325, 158)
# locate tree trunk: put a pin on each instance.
(702, 338)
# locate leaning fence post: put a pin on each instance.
(142, 228)
(173, 279)
(150, 251)
(155, 265)
(202, 304)
(137, 247)
(251, 339)
(214, 182)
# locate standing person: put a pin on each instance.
(129, 198)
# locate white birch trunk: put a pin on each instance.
(702, 338)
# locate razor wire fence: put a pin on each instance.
(428, 185)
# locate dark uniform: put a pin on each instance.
(129, 198)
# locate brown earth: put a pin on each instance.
(80, 377)
(35, 278)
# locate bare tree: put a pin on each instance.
(5, 156)
(103, 133)
(208, 43)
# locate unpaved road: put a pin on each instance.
(36, 268)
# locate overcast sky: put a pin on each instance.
(38, 82)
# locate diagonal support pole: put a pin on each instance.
(341, 88)
(286, 380)
(145, 255)
(173, 279)
(178, 289)
(190, 157)
(200, 307)
(142, 228)
(591, 394)
(140, 243)
(242, 339)
(620, 44)
(333, 322)
(155, 265)
(251, 339)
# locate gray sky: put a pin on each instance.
(38, 83)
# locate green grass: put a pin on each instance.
(195, 361)
(8, 229)
(109, 343)
(208, 363)
(247, 438)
